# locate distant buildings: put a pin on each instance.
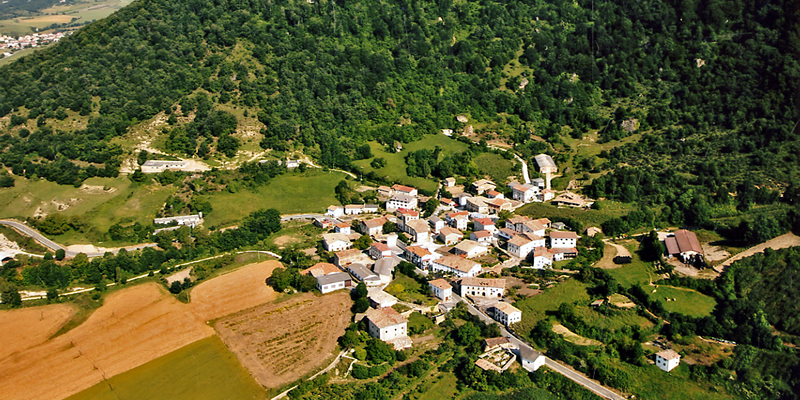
(188, 220)
(158, 166)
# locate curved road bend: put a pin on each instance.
(569, 373)
(25, 229)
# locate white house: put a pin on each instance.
(335, 281)
(418, 230)
(342, 227)
(506, 314)
(406, 215)
(334, 211)
(482, 237)
(524, 224)
(386, 324)
(449, 182)
(470, 249)
(458, 220)
(450, 236)
(372, 227)
(525, 193)
(188, 220)
(563, 239)
(441, 289)
(483, 287)
(157, 166)
(458, 266)
(408, 190)
(379, 250)
(364, 274)
(381, 299)
(485, 224)
(336, 242)
(419, 256)
(436, 224)
(530, 359)
(542, 258)
(400, 200)
(483, 185)
(520, 246)
(667, 359)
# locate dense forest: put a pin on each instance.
(707, 81)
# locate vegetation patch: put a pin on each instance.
(205, 369)
(535, 309)
(682, 300)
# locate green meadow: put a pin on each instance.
(205, 369)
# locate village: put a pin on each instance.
(9, 45)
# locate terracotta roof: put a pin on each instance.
(354, 206)
(496, 341)
(457, 263)
(519, 240)
(381, 247)
(419, 251)
(450, 231)
(563, 235)
(348, 253)
(343, 225)
(687, 241)
(374, 223)
(484, 282)
(534, 225)
(543, 221)
(557, 250)
(418, 226)
(493, 193)
(468, 245)
(482, 234)
(484, 221)
(672, 245)
(385, 317)
(447, 201)
(320, 269)
(508, 231)
(441, 284)
(333, 237)
(456, 214)
(518, 219)
(530, 236)
(405, 211)
(403, 188)
(668, 354)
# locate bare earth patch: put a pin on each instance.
(780, 242)
(284, 240)
(574, 337)
(279, 343)
(28, 327)
(618, 300)
(134, 326)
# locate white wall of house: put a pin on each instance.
(563, 243)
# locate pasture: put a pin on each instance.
(682, 300)
(290, 193)
(534, 308)
(609, 209)
(497, 167)
(395, 168)
(205, 369)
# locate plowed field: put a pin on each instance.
(134, 326)
(281, 342)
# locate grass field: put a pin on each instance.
(651, 383)
(312, 191)
(637, 272)
(442, 387)
(497, 167)
(409, 290)
(687, 301)
(610, 209)
(395, 168)
(534, 308)
(621, 319)
(205, 369)
(296, 234)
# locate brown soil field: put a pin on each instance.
(236, 291)
(780, 242)
(28, 327)
(279, 343)
(135, 325)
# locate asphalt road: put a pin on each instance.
(25, 229)
(571, 374)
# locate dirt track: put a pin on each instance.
(780, 242)
(134, 326)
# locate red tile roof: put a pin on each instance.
(687, 241)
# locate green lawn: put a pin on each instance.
(395, 169)
(205, 369)
(688, 301)
(409, 290)
(534, 308)
(311, 191)
(651, 383)
(637, 272)
(497, 167)
(442, 387)
(610, 209)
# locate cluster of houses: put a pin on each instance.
(9, 44)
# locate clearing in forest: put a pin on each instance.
(282, 342)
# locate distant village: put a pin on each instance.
(9, 45)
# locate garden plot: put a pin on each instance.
(280, 343)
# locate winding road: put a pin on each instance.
(556, 366)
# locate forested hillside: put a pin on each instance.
(711, 84)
